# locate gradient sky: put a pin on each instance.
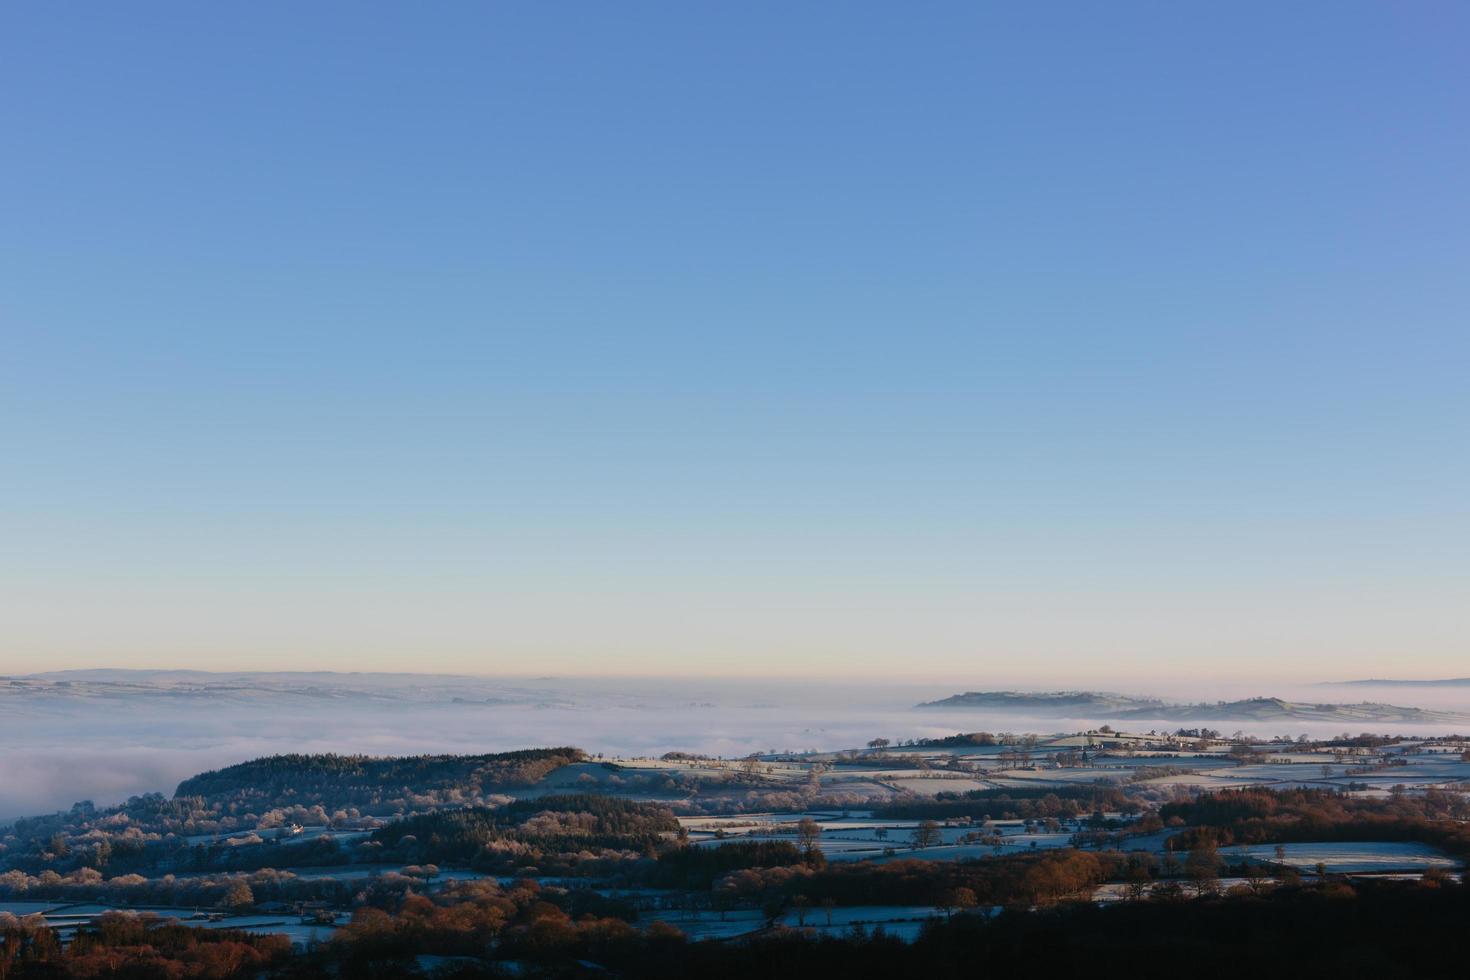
(1051, 341)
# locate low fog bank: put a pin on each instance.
(80, 741)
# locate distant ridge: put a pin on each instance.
(1056, 702)
(1124, 707)
(1385, 682)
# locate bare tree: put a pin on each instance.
(926, 834)
(808, 834)
(1255, 877)
(1203, 866)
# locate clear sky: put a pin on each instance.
(965, 340)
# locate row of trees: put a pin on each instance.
(205, 891)
(1261, 815)
(527, 832)
(1025, 879)
(1014, 804)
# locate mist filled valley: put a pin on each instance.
(104, 735)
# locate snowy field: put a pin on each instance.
(904, 921)
(1349, 857)
(67, 918)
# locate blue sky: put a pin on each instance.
(1054, 341)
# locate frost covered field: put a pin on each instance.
(1349, 857)
(859, 838)
(67, 918)
(904, 921)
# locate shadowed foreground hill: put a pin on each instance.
(1378, 930)
(1384, 930)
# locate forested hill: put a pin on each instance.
(527, 831)
(359, 780)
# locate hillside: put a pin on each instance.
(366, 780)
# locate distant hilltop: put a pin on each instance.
(1119, 706)
(1384, 682)
(270, 688)
(1050, 702)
